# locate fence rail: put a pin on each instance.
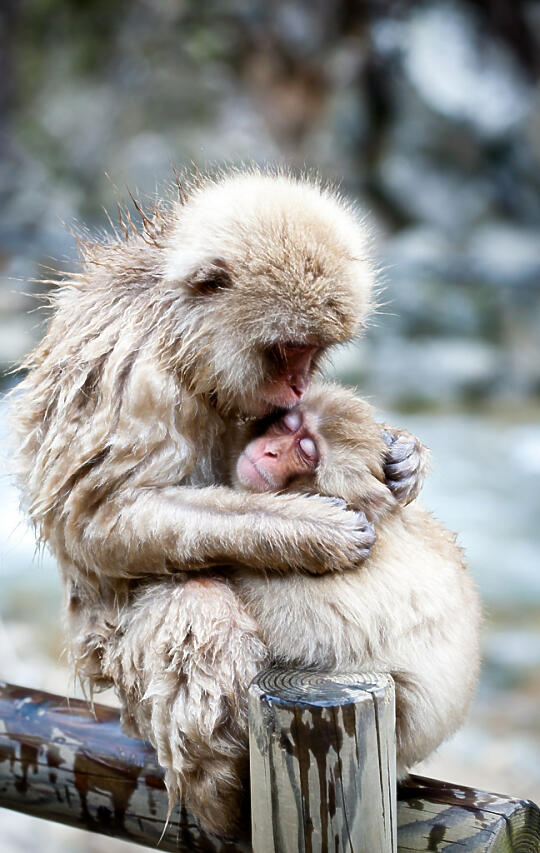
(321, 752)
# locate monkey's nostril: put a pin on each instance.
(298, 391)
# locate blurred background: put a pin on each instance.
(427, 113)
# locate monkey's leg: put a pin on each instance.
(184, 659)
(162, 530)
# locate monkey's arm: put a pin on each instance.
(407, 463)
(163, 530)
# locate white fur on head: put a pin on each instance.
(297, 266)
(178, 318)
(216, 212)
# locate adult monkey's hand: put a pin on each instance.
(407, 463)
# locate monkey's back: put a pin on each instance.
(98, 416)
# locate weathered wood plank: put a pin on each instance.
(439, 816)
(62, 762)
(322, 750)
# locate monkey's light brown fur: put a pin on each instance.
(154, 350)
(411, 609)
(191, 645)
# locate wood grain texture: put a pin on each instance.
(439, 816)
(322, 751)
(61, 761)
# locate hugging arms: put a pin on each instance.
(410, 609)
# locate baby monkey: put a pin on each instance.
(410, 609)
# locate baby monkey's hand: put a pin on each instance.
(406, 466)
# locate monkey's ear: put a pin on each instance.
(210, 278)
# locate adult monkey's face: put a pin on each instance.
(270, 272)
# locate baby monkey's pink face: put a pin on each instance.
(289, 449)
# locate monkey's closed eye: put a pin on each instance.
(309, 449)
(292, 421)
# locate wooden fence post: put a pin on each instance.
(322, 750)
(64, 761)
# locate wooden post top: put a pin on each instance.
(323, 763)
(319, 689)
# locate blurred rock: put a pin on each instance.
(420, 250)
(430, 370)
(461, 74)
(424, 291)
(505, 255)
(437, 195)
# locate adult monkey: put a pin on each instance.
(220, 309)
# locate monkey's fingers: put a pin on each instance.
(400, 443)
(343, 540)
(404, 490)
(365, 536)
(406, 465)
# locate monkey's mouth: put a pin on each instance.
(293, 361)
